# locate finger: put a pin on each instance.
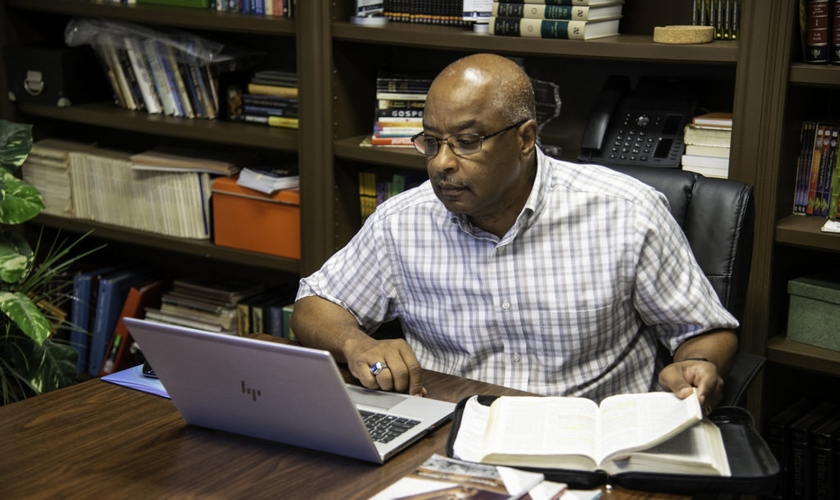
(673, 379)
(411, 381)
(385, 378)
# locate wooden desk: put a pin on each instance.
(97, 440)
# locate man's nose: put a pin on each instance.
(445, 159)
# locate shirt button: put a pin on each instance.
(517, 358)
(505, 305)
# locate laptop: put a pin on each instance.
(280, 392)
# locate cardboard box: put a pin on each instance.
(814, 315)
(254, 221)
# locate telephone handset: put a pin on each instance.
(642, 126)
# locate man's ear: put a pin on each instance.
(528, 136)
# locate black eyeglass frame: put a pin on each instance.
(481, 139)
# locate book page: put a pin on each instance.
(698, 450)
(470, 438)
(522, 428)
(635, 421)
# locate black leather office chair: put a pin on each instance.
(717, 216)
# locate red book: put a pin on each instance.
(818, 34)
(148, 294)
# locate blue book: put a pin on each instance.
(83, 302)
(113, 290)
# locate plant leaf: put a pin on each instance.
(15, 144)
(16, 257)
(21, 202)
(26, 315)
(57, 368)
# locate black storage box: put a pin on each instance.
(58, 76)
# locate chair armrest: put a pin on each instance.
(745, 367)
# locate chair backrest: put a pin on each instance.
(717, 217)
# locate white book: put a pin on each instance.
(144, 78)
(576, 433)
(701, 150)
(705, 161)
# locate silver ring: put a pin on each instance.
(376, 368)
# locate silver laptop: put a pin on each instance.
(280, 392)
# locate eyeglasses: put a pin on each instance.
(464, 144)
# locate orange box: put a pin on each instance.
(250, 220)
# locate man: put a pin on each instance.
(517, 269)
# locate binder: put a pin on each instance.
(113, 290)
(754, 468)
(85, 284)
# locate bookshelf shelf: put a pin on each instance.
(798, 355)
(811, 74)
(625, 46)
(198, 248)
(167, 16)
(799, 230)
(349, 149)
(108, 115)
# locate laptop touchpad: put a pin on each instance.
(377, 399)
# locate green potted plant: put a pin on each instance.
(32, 361)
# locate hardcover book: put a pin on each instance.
(551, 28)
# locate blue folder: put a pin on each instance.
(84, 301)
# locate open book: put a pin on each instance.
(649, 432)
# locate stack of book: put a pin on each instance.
(47, 169)
(723, 15)
(270, 98)
(156, 71)
(156, 76)
(400, 99)
(819, 28)
(181, 159)
(267, 312)
(204, 303)
(817, 186)
(586, 20)
(707, 144)
(269, 8)
(442, 12)
(374, 190)
(156, 191)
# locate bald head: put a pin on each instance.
(503, 85)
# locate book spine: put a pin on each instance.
(268, 111)
(131, 79)
(835, 32)
(535, 11)
(816, 163)
(159, 78)
(807, 135)
(175, 67)
(144, 79)
(826, 171)
(273, 90)
(537, 28)
(168, 75)
(817, 32)
(288, 103)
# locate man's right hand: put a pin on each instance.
(322, 324)
(402, 371)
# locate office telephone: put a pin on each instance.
(641, 126)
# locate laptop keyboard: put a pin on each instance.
(384, 428)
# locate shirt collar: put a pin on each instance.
(533, 205)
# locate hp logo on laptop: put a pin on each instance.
(252, 392)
